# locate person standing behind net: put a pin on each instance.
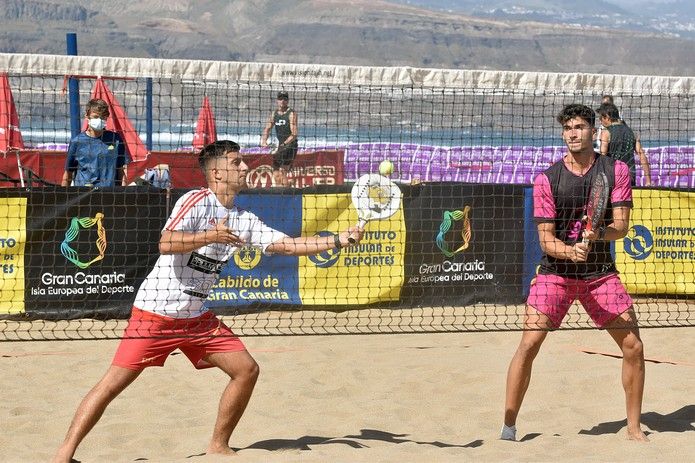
(571, 269)
(204, 230)
(620, 142)
(284, 119)
(96, 157)
(597, 143)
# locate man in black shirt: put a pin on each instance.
(619, 142)
(284, 119)
(572, 269)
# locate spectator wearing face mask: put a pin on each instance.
(96, 157)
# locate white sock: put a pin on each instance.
(508, 432)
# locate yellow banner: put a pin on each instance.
(13, 213)
(371, 271)
(658, 254)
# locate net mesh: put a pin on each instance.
(460, 255)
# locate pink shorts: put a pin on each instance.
(149, 338)
(603, 298)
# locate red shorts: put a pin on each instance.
(603, 298)
(149, 338)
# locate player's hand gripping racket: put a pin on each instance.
(598, 199)
(376, 198)
(271, 147)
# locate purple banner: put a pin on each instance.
(671, 166)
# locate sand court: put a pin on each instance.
(372, 398)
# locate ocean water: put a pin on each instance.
(179, 137)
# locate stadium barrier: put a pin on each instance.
(671, 166)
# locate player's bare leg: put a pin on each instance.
(92, 407)
(625, 332)
(286, 176)
(243, 372)
(519, 372)
(280, 177)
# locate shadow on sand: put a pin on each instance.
(354, 441)
(679, 421)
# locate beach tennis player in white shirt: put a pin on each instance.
(202, 233)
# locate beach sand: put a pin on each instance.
(360, 398)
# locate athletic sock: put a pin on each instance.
(508, 432)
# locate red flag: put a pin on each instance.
(10, 135)
(118, 122)
(205, 131)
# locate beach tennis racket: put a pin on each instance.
(598, 200)
(376, 198)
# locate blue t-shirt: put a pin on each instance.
(96, 161)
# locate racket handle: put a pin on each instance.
(585, 240)
(360, 224)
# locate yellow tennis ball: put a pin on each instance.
(386, 168)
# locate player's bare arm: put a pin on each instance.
(266, 131)
(644, 161)
(67, 178)
(305, 246)
(294, 128)
(605, 140)
(556, 248)
(615, 230)
(122, 175)
(179, 242)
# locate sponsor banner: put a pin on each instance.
(88, 251)
(465, 244)
(308, 169)
(375, 266)
(658, 254)
(532, 245)
(369, 272)
(13, 211)
(251, 277)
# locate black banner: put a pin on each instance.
(87, 251)
(465, 244)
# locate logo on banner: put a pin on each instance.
(247, 257)
(328, 258)
(638, 242)
(261, 176)
(73, 232)
(449, 220)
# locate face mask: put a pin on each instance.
(97, 124)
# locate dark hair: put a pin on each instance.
(577, 110)
(215, 150)
(98, 105)
(609, 110)
(607, 97)
(283, 95)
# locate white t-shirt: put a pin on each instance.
(178, 284)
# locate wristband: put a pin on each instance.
(336, 241)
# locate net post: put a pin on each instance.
(148, 113)
(73, 88)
